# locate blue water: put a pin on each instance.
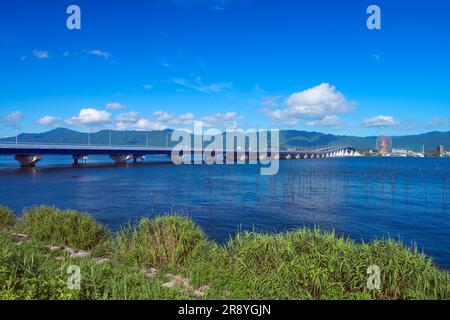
(364, 198)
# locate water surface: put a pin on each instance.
(364, 198)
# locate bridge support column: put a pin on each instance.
(77, 159)
(28, 161)
(121, 158)
(138, 158)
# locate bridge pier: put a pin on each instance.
(121, 158)
(79, 159)
(28, 161)
(138, 157)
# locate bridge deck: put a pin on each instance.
(85, 150)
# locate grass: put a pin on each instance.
(7, 218)
(62, 227)
(303, 264)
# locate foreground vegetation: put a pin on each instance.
(169, 257)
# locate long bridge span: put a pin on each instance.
(28, 154)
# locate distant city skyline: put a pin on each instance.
(152, 65)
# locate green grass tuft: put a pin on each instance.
(163, 242)
(7, 218)
(62, 227)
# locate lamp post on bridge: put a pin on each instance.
(17, 133)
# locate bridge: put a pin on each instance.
(28, 154)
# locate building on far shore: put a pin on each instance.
(440, 151)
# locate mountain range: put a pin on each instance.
(288, 139)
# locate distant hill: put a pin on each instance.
(288, 139)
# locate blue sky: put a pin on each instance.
(306, 65)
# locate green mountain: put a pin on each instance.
(288, 139)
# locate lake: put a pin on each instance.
(363, 198)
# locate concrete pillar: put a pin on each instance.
(139, 157)
(243, 157)
(297, 156)
(77, 159)
(289, 157)
(262, 157)
(28, 161)
(121, 158)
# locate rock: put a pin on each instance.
(150, 273)
(53, 248)
(177, 282)
(20, 237)
(168, 285)
(101, 260)
(60, 258)
(200, 292)
(80, 254)
(69, 250)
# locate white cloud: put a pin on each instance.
(147, 86)
(98, 53)
(133, 121)
(327, 121)
(198, 85)
(174, 120)
(227, 120)
(41, 54)
(131, 116)
(90, 117)
(48, 121)
(315, 103)
(439, 122)
(115, 106)
(380, 122)
(271, 102)
(163, 120)
(15, 116)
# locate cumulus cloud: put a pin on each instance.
(162, 120)
(314, 103)
(327, 121)
(48, 121)
(380, 122)
(199, 86)
(90, 117)
(175, 120)
(227, 120)
(41, 54)
(115, 106)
